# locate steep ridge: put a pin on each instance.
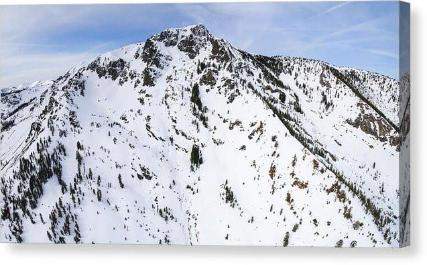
(185, 139)
(378, 89)
(389, 105)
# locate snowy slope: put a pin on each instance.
(184, 139)
(378, 89)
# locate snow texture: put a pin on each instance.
(184, 139)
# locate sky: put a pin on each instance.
(41, 42)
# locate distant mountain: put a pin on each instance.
(185, 139)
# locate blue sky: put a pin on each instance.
(41, 42)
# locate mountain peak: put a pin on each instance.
(189, 39)
(198, 30)
(172, 36)
(144, 135)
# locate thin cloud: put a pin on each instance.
(329, 38)
(385, 53)
(334, 8)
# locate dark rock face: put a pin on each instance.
(190, 40)
(113, 69)
(168, 37)
(151, 54)
(375, 125)
(196, 40)
(155, 61)
(220, 52)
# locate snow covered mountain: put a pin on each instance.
(185, 139)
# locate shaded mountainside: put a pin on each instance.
(184, 139)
